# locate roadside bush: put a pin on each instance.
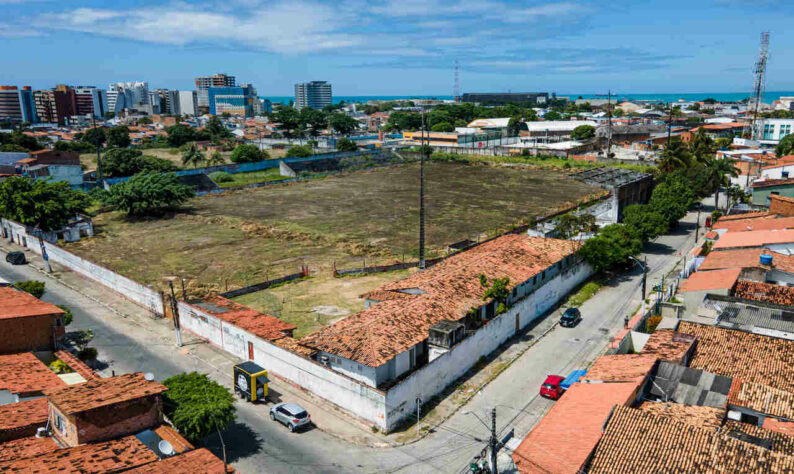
(715, 214)
(87, 354)
(652, 323)
(67, 315)
(300, 151)
(34, 287)
(221, 177)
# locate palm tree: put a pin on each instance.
(718, 173)
(192, 155)
(216, 159)
(675, 156)
(702, 146)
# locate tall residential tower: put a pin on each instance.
(314, 94)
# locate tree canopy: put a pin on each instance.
(583, 132)
(648, 222)
(197, 405)
(147, 194)
(21, 140)
(443, 127)
(785, 146)
(95, 136)
(118, 162)
(192, 155)
(44, 204)
(346, 144)
(342, 123)
(118, 136)
(302, 151)
(612, 246)
(248, 154)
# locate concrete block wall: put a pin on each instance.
(28, 333)
(141, 294)
(119, 420)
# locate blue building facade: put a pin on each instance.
(234, 100)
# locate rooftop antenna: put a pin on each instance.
(609, 119)
(759, 85)
(456, 89)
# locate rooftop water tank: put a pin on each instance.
(766, 259)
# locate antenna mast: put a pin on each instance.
(759, 85)
(456, 89)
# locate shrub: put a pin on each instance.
(87, 354)
(197, 405)
(300, 151)
(148, 194)
(652, 323)
(221, 177)
(346, 144)
(248, 154)
(67, 315)
(59, 367)
(34, 287)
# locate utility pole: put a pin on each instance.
(644, 276)
(609, 122)
(44, 255)
(418, 411)
(175, 313)
(494, 442)
(422, 192)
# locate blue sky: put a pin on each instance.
(396, 47)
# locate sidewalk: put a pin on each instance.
(159, 332)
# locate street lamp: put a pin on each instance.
(493, 442)
(644, 266)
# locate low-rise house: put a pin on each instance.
(27, 323)
(781, 241)
(53, 165)
(764, 190)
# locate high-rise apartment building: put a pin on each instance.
(17, 104)
(138, 92)
(234, 100)
(203, 83)
(188, 103)
(55, 105)
(314, 94)
(91, 101)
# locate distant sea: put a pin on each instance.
(685, 96)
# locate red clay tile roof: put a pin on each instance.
(620, 368)
(199, 460)
(77, 365)
(178, 442)
(15, 416)
(637, 441)
(781, 427)
(747, 225)
(668, 345)
(262, 325)
(768, 183)
(102, 392)
(781, 441)
(711, 235)
(565, 437)
(15, 304)
(452, 287)
(746, 258)
(756, 238)
(700, 416)
(26, 447)
(737, 354)
(767, 292)
(762, 398)
(24, 373)
(110, 456)
(293, 345)
(711, 280)
(748, 215)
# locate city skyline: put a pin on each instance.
(396, 48)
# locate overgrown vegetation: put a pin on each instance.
(42, 204)
(584, 293)
(148, 194)
(34, 287)
(197, 405)
(122, 162)
(248, 154)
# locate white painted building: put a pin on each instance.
(188, 103)
(770, 131)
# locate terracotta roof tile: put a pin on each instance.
(451, 288)
(748, 215)
(23, 373)
(76, 364)
(700, 416)
(178, 442)
(262, 325)
(620, 368)
(746, 258)
(747, 225)
(711, 280)
(766, 292)
(755, 238)
(637, 441)
(781, 427)
(293, 345)
(780, 442)
(711, 235)
(199, 460)
(26, 447)
(565, 437)
(668, 345)
(772, 182)
(102, 392)
(737, 354)
(110, 456)
(762, 398)
(16, 304)
(17, 416)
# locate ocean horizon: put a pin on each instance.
(769, 97)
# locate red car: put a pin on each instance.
(551, 387)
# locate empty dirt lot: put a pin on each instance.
(247, 236)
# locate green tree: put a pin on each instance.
(342, 123)
(216, 129)
(118, 136)
(676, 155)
(248, 154)
(67, 317)
(109, 115)
(180, 134)
(192, 155)
(44, 204)
(145, 120)
(443, 127)
(672, 198)
(648, 223)
(570, 225)
(346, 144)
(95, 136)
(314, 121)
(118, 162)
(215, 159)
(785, 146)
(552, 115)
(34, 287)
(197, 405)
(288, 119)
(405, 120)
(301, 151)
(583, 132)
(718, 172)
(18, 138)
(148, 194)
(702, 146)
(612, 246)
(14, 148)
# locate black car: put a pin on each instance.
(570, 317)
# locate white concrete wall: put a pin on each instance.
(777, 173)
(134, 291)
(356, 397)
(352, 369)
(445, 369)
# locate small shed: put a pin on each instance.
(446, 333)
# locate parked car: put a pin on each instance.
(570, 318)
(551, 387)
(290, 414)
(16, 258)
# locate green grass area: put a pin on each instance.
(253, 177)
(556, 163)
(584, 293)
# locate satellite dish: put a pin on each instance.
(165, 448)
(148, 376)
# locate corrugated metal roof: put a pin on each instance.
(745, 316)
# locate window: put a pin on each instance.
(58, 322)
(60, 425)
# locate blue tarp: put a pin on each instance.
(572, 378)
